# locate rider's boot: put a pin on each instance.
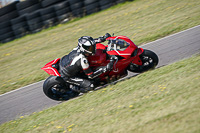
(79, 89)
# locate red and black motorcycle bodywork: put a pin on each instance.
(128, 57)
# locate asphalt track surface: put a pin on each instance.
(31, 98)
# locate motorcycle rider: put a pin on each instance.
(76, 61)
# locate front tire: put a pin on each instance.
(57, 90)
(149, 61)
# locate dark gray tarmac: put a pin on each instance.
(31, 98)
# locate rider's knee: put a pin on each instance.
(88, 85)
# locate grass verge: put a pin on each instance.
(141, 20)
(163, 100)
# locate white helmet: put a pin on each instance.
(87, 44)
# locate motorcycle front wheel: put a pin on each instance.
(149, 61)
(57, 90)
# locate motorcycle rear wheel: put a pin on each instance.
(57, 90)
(149, 61)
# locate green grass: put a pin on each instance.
(141, 20)
(163, 100)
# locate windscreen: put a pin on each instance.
(118, 44)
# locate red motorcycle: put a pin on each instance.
(127, 57)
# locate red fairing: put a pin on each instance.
(137, 59)
(100, 46)
(98, 59)
(140, 51)
(49, 69)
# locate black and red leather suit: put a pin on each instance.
(72, 64)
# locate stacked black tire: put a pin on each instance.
(34, 22)
(104, 4)
(20, 18)
(119, 1)
(28, 6)
(47, 3)
(91, 6)
(48, 16)
(6, 14)
(27, 11)
(77, 7)
(19, 26)
(62, 11)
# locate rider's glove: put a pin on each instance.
(107, 35)
(103, 38)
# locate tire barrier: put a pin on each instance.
(48, 16)
(91, 6)
(25, 4)
(6, 14)
(119, 1)
(9, 8)
(30, 9)
(62, 11)
(30, 16)
(76, 7)
(104, 4)
(19, 26)
(9, 16)
(6, 33)
(34, 21)
(46, 3)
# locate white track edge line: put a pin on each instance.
(20, 88)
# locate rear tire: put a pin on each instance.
(149, 61)
(57, 90)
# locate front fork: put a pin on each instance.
(137, 59)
